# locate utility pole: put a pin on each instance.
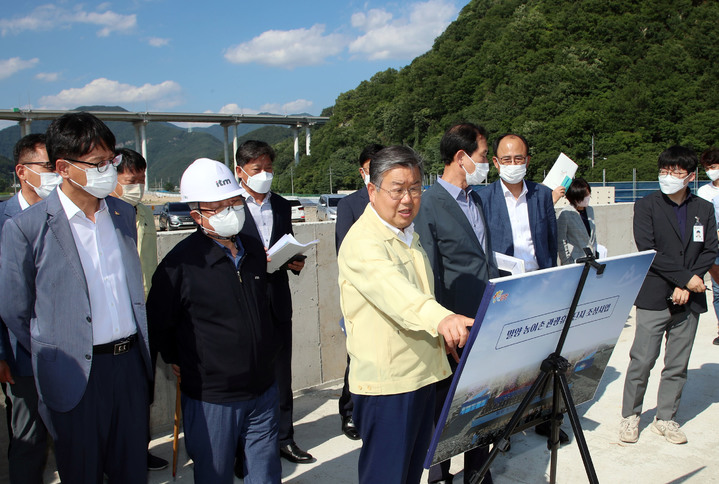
(592, 150)
(292, 180)
(330, 178)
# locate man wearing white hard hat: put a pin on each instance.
(209, 318)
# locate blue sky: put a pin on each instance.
(243, 57)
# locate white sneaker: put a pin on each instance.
(670, 430)
(629, 429)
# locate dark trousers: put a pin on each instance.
(27, 453)
(396, 431)
(283, 376)
(345, 402)
(106, 432)
(473, 459)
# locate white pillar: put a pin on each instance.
(225, 127)
(307, 139)
(234, 149)
(25, 127)
(296, 134)
(141, 147)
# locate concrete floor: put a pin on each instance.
(651, 460)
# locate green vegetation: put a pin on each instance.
(639, 75)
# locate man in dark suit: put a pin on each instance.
(27, 451)
(71, 292)
(520, 212)
(454, 234)
(682, 229)
(269, 217)
(349, 210)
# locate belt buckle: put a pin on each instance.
(121, 347)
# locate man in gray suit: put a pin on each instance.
(27, 451)
(455, 235)
(71, 292)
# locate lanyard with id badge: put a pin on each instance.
(698, 231)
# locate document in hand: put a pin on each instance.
(284, 250)
(561, 173)
(510, 264)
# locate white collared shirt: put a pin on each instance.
(261, 214)
(404, 235)
(101, 259)
(521, 233)
(23, 203)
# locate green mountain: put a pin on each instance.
(170, 149)
(638, 75)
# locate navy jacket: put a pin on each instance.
(278, 284)
(349, 209)
(542, 221)
(14, 354)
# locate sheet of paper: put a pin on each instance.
(510, 264)
(285, 249)
(562, 172)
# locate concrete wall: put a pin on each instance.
(318, 353)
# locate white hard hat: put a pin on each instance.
(207, 180)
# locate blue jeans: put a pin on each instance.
(213, 430)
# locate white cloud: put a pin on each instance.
(106, 91)
(158, 42)
(48, 17)
(293, 107)
(288, 48)
(403, 38)
(10, 66)
(47, 76)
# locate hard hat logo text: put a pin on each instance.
(222, 183)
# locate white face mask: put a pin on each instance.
(99, 185)
(132, 193)
(670, 185)
(259, 183)
(584, 202)
(48, 182)
(512, 174)
(365, 177)
(713, 174)
(226, 223)
(481, 170)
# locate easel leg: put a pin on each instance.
(577, 428)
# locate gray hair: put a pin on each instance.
(393, 157)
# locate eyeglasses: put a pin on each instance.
(674, 173)
(237, 205)
(517, 160)
(101, 166)
(45, 164)
(399, 193)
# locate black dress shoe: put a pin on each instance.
(349, 428)
(239, 469)
(293, 453)
(155, 463)
(545, 428)
(716, 340)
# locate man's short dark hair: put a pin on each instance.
(577, 191)
(131, 161)
(251, 149)
(74, 135)
(460, 137)
(680, 157)
(28, 143)
(368, 153)
(495, 145)
(393, 157)
(710, 157)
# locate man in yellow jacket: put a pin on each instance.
(397, 334)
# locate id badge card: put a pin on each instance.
(698, 232)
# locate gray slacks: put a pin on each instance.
(28, 446)
(679, 331)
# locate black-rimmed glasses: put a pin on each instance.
(101, 166)
(397, 194)
(517, 160)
